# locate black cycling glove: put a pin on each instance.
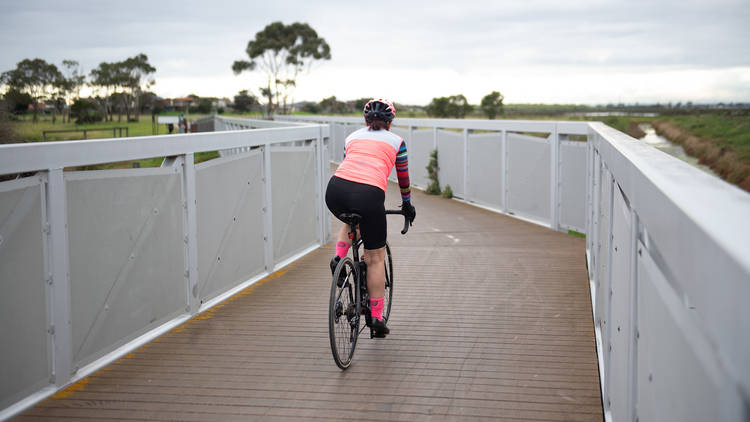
(409, 211)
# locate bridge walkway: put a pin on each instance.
(491, 319)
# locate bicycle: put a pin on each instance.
(349, 300)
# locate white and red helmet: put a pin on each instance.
(379, 109)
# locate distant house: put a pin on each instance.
(176, 103)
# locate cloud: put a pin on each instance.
(576, 50)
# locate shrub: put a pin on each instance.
(448, 192)
(432, 173)
(85, 112)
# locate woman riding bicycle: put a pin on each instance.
(359, 185)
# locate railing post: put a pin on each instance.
(504, 164)
(466, 164)
(267, 208)
(554, 186)
(59, 266)
(191, 233)
(319, 176)
(633, 334)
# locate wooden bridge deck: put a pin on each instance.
(491, 319)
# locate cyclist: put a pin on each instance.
(359, 185)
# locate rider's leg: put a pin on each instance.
(342, 241)
(375, 259)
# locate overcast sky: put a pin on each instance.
(557, 51)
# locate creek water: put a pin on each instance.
(662, 143)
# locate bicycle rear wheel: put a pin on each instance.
(388, 283)
(343, 318)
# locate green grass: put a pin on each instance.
(576, 234)
(729, 131)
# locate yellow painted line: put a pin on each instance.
(79, 386)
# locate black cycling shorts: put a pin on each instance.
(344, 196)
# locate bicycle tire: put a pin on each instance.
(388, 283)
(343, 315)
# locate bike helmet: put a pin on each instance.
(379, 109)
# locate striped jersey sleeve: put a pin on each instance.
(402, 172)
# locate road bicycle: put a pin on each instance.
(349, 303)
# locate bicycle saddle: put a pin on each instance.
(350, 218)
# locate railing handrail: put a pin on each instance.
(572, 128)
(26, 157)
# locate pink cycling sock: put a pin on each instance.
(342, 248)
(376, 307)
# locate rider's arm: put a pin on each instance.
(402, 172)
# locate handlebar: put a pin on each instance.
(406, 220)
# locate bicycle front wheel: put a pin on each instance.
(343, 318)
(388, 283)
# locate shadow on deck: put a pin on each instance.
(491, 319)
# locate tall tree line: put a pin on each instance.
(119, 86)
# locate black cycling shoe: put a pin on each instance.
(334, 263)
(378, 329)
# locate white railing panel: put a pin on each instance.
(229, 195)
(486, 169)
(603, 254)
(678, 377)
(25, 361)
(419, 149)
(451, 161)
(295, 214)
(127, 256)
(340, 132)
(529, 177)
(404, 133)
(620, 329)
(573, 186)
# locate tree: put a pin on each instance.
(74, 75)
(128, 79)
(492, 104)
(134, 75)
(359, 104)
(332, 105)
(244, 102)
(282, 52)
(454, 106)
(69, 86)
(18, 102)
(85, 111)
(104, 80)
(35, 77)
(7, 134)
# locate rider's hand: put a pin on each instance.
(409, 211)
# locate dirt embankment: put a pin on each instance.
(635, 131)
(720, 159)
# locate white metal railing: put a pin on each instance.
(493, 163)
(96, 263)
(668, 250)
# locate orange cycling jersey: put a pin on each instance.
(370, 156)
